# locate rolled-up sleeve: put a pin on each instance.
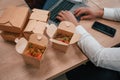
(99, 55)
(112, 14)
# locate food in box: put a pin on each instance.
(62, 36)
(32, 50)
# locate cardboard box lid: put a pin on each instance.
(35, 26)
(34, 38)
(66, 26)
(40, 11)
(51, 29)
(41, 15)
(11, 16)
(39, 39)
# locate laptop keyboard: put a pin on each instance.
(64, 5)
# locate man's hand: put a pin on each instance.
(88, 13)
(67, 16)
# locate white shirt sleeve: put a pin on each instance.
(112, 14)
(99, 55)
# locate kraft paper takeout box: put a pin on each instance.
(65, 28)
(39, 42)
(14, 19)
(37, 22)
(41, 15)
(8, 36)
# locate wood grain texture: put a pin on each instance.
(54, 62)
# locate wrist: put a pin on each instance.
(100, 13)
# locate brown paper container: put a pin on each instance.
(34, 26)
(66, 29)
(37, 22)
(30, 49)
(14, 19)
(8, 36)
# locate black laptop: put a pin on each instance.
(55, 6)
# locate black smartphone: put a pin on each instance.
(104, 28)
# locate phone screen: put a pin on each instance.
(104, 28)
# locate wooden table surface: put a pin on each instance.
(105, 40)
(54, 63)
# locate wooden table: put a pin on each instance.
(105, 40)
(54, 63)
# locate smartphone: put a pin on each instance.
(104, 28)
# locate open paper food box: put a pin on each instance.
(13, 21)
(62, 36)
(32, 50)
(37, 22)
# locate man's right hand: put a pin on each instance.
(88, 13)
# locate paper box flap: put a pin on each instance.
(21, 45)
(11, 15)
(7, 14)
(20, 16)
(75, 38)
(39, 39)
(58, 42)
(67, 26)
(41, 15)
(40, 27)
(35, 26)
(30, 26)
(43, 12)
(51, 29)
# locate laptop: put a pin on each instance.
(55, 6)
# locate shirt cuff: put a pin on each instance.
(80, 30)
(108, 13)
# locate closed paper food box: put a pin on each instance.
(63, 36)
(41, 15)
(14, 19)
(9, 36)
(34, 26)
(37, 22)
(32, 50)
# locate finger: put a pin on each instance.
(77, 10)
(80, 13)
(59, 18)
(68, 13)
(86, 17)
(61, 14)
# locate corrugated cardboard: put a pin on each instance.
(14, 19)
(38, 41)
(65, 28)
(37, 22)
